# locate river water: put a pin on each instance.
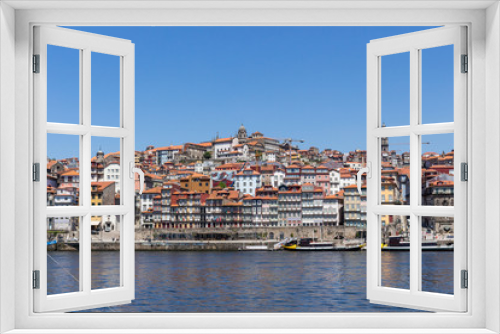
(250, 281)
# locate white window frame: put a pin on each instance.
(85, 43)
(414, 43)
(483, 21)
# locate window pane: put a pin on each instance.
(437, 254)
(105, 90)
(395, 90)
(106, 251)
(63, 255)
(395, 171)
(105, 171)
(438, 170)
(63, 85)
(395, 266)
(437, 84)
(63, 170)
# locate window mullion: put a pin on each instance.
(414, 169)
(85, 173)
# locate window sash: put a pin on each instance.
(413, 43)
(86, 43)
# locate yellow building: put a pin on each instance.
(197, 183)
(102, 193)
(389, 195)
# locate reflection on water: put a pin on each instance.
(105, 269)
(396, 270)
(437, 272)
(254, 281)
(63, 272)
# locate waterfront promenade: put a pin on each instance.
(210, 238)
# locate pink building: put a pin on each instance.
(308, 175)
(70, 178)
(323, 179)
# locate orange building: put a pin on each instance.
(196, 182)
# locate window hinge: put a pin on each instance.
(36, 172)
(36, 63)
(464, 173)
(36, 279)
(465, 64)
(465, 279)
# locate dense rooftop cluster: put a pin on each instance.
(245, 181)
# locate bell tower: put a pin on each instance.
(384, 142)
(242, 132)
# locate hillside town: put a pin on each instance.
(251, 180)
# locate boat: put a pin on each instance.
(399, 243)
(340, 248)
(254, 248)
(308, 244)
(280, 245)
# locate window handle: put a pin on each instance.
(368, 171)
(139, 171)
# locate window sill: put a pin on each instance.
(246, 331)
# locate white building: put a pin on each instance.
(198, 168)
(146, 206)
(278, 178)
(354, 165)
(208, 166)
(331, 209)
(334, 181)
(312, 205)
(167, 154)
(247, 181)
(346, 179)
(65, 196)
(112, 174)
(224, 145)
(271, 156)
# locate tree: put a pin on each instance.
(207, 155)
(222, 185)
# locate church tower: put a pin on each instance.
(100, 156)
(384, 142)
(242, 132)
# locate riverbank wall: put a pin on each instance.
(169, 246)
(209, 239)
(241, 245)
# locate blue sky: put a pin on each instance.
(193, 83)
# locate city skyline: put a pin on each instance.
(431, 143)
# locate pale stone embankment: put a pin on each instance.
(210, 239)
